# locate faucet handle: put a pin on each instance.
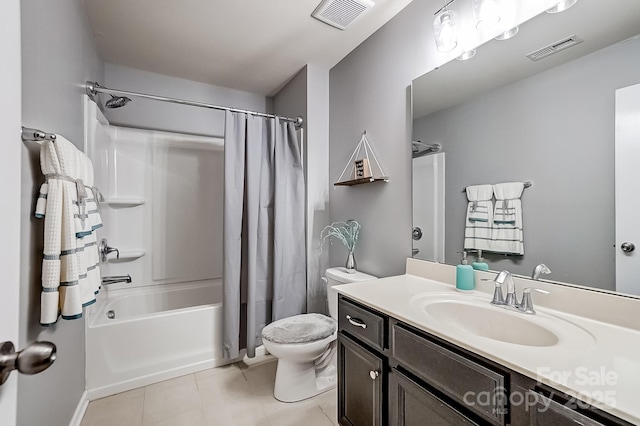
(526, 306)
(498, 297)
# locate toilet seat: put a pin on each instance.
(304, 328)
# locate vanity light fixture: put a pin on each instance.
(445, 30)
(467, 55)
(562, 6)
(508, 34)
(486, 13)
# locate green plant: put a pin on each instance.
(346, 232)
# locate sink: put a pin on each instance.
(492, 323)
(473, 315)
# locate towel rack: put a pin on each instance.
(527, 184)
(35, 135)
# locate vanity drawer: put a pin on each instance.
(361, 323)
(471, 384)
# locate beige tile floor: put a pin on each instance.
(239, 394)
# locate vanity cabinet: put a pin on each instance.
(362, 366)
(390, 373)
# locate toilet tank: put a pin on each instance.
(337, 276)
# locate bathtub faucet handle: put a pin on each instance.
(104, 250)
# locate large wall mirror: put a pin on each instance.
(501, 117)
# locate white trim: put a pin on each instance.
(80, 409)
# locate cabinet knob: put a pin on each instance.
(373, 374)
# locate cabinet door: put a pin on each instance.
(410, 404)
(360, 385)
(547, 412)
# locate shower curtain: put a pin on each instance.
(264, 229)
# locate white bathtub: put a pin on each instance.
(159, 332)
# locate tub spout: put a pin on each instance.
(115, 279)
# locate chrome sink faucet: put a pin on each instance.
(511, 301)
(498, 299)
(539, 269)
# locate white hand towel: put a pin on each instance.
(68, 257)
(477, 233)
(507, 233)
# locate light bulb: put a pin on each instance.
(445, 31)
(486, 13)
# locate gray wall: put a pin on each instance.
(369, 89)
(557, 130)
(143, 113)
(307, 94)
(58, 55)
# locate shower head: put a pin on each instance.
(117, 102)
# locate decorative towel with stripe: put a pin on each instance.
(477, 231)
(507, 235)
(68, 202)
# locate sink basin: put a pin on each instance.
(492, 323)
(475, 316)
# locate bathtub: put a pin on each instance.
(139, 336)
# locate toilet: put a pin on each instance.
(305, 345)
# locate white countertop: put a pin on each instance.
(599, 365)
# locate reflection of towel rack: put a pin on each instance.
(527, 184)
(35, 135)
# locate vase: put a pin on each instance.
(351, 263)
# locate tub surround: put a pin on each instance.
(602, 369)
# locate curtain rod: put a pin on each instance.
(93, 88)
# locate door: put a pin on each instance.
(410, 404)
(627, 155)
(428, 207)
(10, 121)
(360, 385)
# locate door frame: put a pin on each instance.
(10, 178)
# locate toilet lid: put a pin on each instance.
(303, 328)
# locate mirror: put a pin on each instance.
(501, 117)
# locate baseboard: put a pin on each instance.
(80, 410)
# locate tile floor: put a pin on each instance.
(239, 394)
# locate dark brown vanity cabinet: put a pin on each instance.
(390, 373)
(361, 366)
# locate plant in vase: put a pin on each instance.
(347, 233)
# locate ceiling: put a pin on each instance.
(250, 45)
(599, 23)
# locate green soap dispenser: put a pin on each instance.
(480, 264)
(465, 279)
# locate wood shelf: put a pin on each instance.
(361, 181)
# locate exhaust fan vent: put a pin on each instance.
(555, 48)
(341, 13)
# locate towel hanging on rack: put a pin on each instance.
(68, 204)
(477, 231)
(507, 234)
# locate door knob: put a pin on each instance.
(33, 359)
(627, 247)
(373, 374)
(416, 234)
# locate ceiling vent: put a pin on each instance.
(555, 48)
(341, 13)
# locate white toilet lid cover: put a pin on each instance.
(303, 328)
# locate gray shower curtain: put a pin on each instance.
(264, 229)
